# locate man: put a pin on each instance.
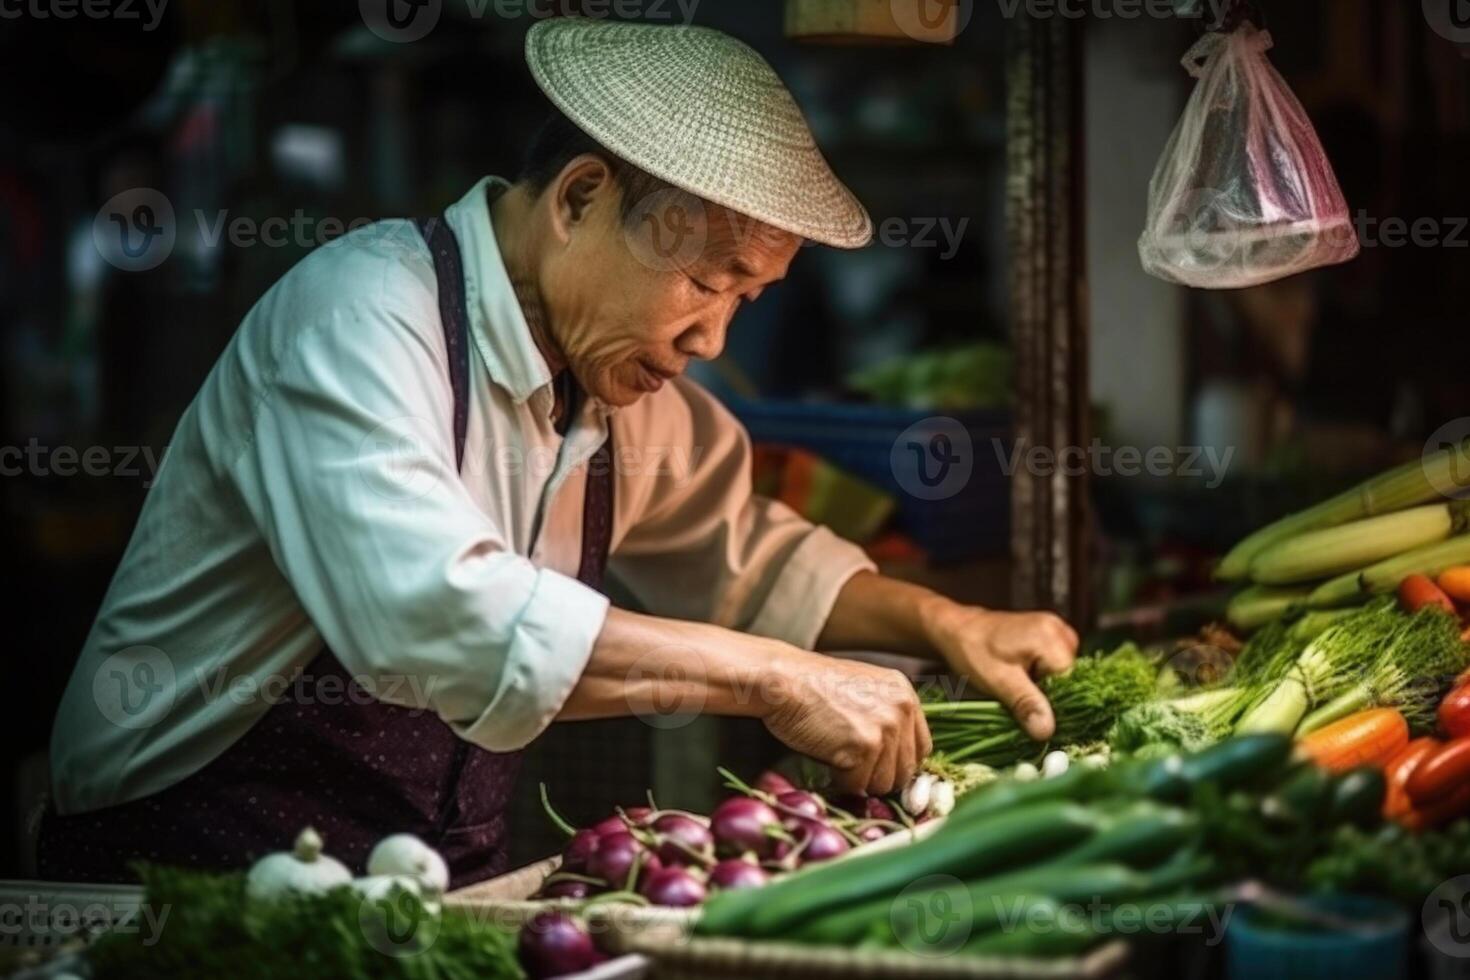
(369, 572)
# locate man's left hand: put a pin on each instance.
(1006, 653)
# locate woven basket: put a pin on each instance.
(734, 959)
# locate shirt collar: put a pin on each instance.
(497, 323)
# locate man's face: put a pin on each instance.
(631, 302)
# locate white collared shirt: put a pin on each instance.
(309, 497)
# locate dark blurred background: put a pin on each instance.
(240, 111)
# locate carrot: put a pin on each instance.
(1368, 738)
(1442, 774)
(1432, 815)
(1455, 582)
(1396, 802)
(1418, 591)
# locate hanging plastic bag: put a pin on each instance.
(1243, 193)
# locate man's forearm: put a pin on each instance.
(873, 612)
(647, 664)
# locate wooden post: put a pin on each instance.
(1044, 195)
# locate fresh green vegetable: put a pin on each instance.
(1312, 624)
(1416, 482)
(1254, 607)
(1085, 700)
(1385, 576)
(1391, 861)
(1331, 663)
(1004, 840)
(208, 929)
(1357, 797)
(1160, 728)
(978, 376)
(1331, 551)
(1413, 670)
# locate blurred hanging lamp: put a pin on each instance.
(875, 21)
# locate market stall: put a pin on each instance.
(1260, 758)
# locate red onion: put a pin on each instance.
(553, 944)
(614, 858)
(865, 807)
(803, 804)
(614, 824)
(578, 850)
(739, 824)
(871, 833)
(773, 782)
(822, 843)
(567, 889)
(673, 887)
(732, 874)
(675, 829)
(877, 808)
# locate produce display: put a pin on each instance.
(676, 859)
(217, 925)
(1164, 835)
(1319, 745)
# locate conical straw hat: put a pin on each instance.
(703, 112)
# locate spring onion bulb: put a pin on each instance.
(1331, 663)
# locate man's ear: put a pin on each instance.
(585, 182)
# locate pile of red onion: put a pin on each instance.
(676, 859)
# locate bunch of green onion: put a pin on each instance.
(1086, 701)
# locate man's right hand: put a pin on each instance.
(863, 721)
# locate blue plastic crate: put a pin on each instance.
(954, 502)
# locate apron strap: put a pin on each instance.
(449, 270)
(597, 506)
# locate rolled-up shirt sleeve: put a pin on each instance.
(350, 474)
(702, 545)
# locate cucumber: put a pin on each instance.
(1357, 797)
(1301, 798)
(1036, 926)
(1078, 783)
(1140, 833)
(1006, 840)
(1237, 761)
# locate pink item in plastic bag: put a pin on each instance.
(1243, 193)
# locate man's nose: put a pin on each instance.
(705, 338)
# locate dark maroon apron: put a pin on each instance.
(355, 768)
